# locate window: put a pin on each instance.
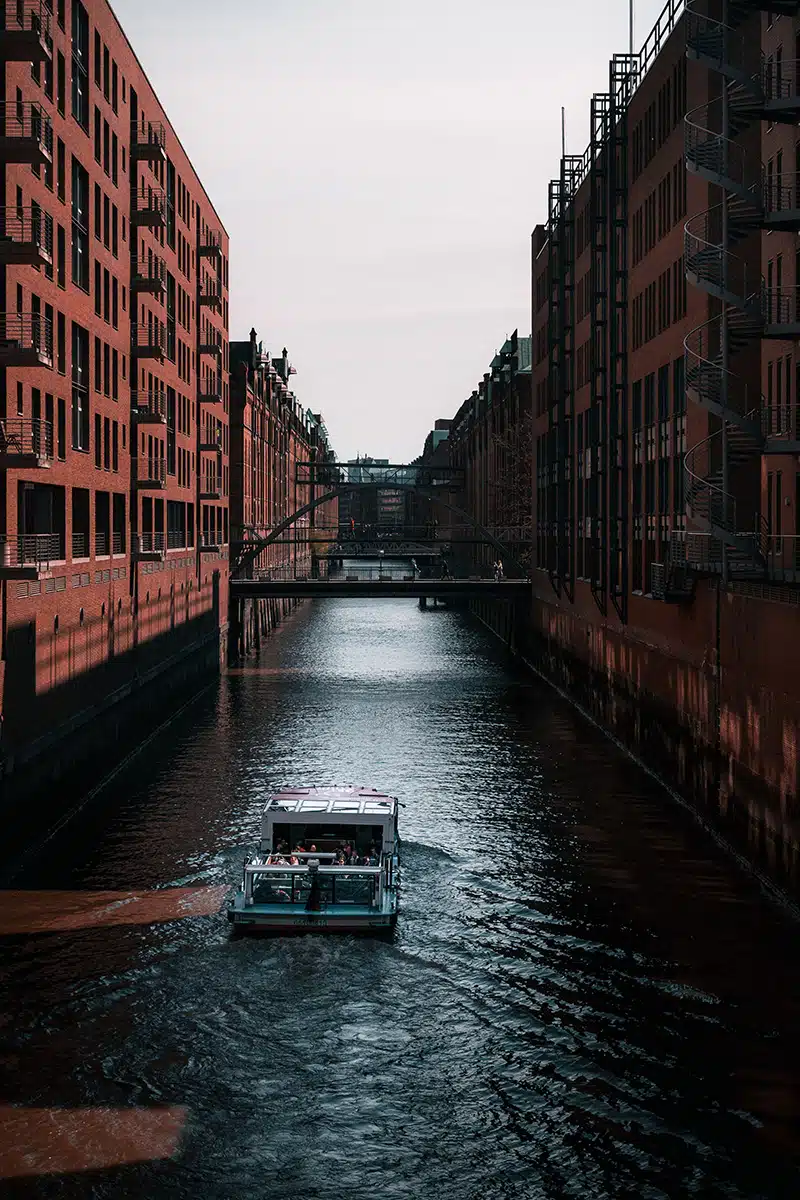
(98, 440)
(114, 86)
(61, 83)
(80, 226)
(61, 448)
(114, 232)
(106, 444)
(115, 439)
(170, 316)
(115, 375)
(61, 241)
(98, 365)
(106, 294)
(80, 388)
(98, 46)
(98, 302)
(114, 151)
(61, 343)
(106, 73)
(170, 205)
(106, 222)
(106, 369)
(98, 211)
(114, 302)
(80, 65)
(98, 130)
(106, 147)
(61, 171)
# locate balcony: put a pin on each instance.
(26, 134)
(149, 341)
(26, 237)
(211, 294)
(210, 489)
(213, 447)
(149, 547)
(26, 35)
(207, 543)
(25, 443)
(211, 392)
(149, 208)
(212, 348)
(148, 142)
(152, 474)
(26, 340)
(29, 555)
(149, 275)
(210, 245)
(148, 408)
(177, 540)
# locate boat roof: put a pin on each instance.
(318, 800)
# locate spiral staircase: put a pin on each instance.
(722, 256)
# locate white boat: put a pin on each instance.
(298, 881)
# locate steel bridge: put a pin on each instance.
(382, 587)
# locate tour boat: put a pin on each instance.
(297, 882)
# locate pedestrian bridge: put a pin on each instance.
(381, 587)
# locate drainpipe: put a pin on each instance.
(724, 349)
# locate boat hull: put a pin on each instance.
(301, 923)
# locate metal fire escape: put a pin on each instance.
(599, 195)
(561, 346)
(722, 145)
(623, 77)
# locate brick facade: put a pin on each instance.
(114, 385)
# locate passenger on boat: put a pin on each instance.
(294, 861)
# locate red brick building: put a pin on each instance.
(114, 392)
(270, 435)
(665, 386)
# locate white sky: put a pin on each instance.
(379, 166)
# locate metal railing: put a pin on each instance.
(80, 545)
(783, 557)
(149, 543)
(27, 226)
(177, 539)
(148, 133)
(149, 200)
(35, 550)
(23, 435)
(149, 337)
(152, 470)
(150, 270)
(117, 542)
(19, 15)
(102, 543)
(210, 292)
(149, 403)
(28, 331)
(208, 540)
(27, 121)
(210, 243)
(781, 422)
(780, 306)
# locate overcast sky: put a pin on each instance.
(379, 166)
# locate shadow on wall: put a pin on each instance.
(59, 680)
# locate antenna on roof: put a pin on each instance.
(630, 26)
(563, 134)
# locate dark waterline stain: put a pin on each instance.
(584, 997)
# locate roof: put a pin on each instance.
(318, 800)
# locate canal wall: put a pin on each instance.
(80, 702)
(253, 620)
(710, 703)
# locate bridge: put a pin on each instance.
(380, 587)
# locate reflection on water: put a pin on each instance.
(583, 998)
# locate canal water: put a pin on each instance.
(584, 997)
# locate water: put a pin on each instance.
(583, 998)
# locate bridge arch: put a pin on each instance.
(251, 550)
